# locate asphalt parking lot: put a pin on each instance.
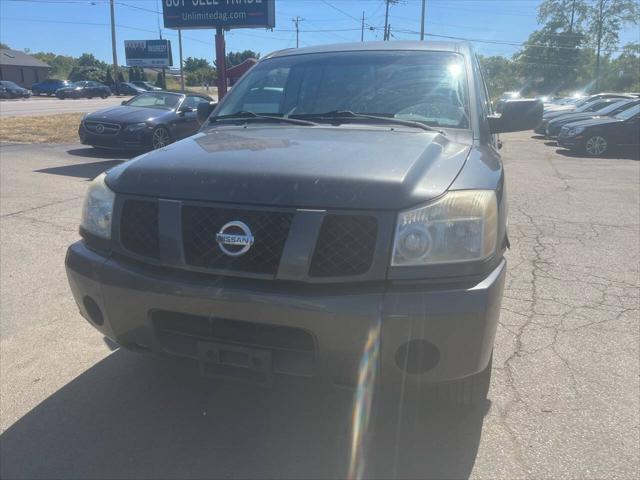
(50, 105)
(564, 400)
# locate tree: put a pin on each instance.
(199, 77)
(500, 73)
(86, 73)
(88, 60)
(606, 18)
(108, 78)
(550, 58)
(4, 45)
(160, 80)
(61, 65)
(568, 14)
(236, 58)
(192, 64)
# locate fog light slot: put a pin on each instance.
(417, 356)
(93, 310)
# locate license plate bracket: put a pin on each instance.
(240, 363)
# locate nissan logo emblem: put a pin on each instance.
(235, 239)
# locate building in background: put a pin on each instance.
(21, 68)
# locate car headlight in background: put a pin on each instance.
(462, 226)
(97, 209)
(134, 127)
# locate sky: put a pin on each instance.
(72, 27)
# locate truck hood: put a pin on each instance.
(352, 167)
(124, 114)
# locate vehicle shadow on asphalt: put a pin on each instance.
(620, 154)
(90, 152)
(132, 416)
(81, 170)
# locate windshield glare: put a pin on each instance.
(428, 87)
(165, 101)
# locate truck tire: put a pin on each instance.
(471, 390)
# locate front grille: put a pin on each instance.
(345, 246)
(292, 349)
(201, 224)
(139, 230)
(103, 129)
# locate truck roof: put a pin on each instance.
(458, 47)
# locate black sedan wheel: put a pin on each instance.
(103, 96)
(36, 92)
(596, 146)
(160, 138)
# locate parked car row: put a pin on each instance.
(595, 125)
(86, 88)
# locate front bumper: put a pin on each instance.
(139, 140)
(351, 327)
(570, 142)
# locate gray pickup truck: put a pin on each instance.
(340, 217)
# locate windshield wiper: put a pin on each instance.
(246, 116)
(348, 114)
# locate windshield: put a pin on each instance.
(427, 87)
(627, 114)
(611, 107)
(7, 83)
(166, 101)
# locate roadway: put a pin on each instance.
(36, 106)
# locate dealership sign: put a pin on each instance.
(185, 14)
(148, 53)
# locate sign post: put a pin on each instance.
(221, 65)
(221, 15)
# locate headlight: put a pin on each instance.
(575, 131)
(462, 226)
(135, 127)
(97, 209)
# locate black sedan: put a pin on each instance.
(84, 89)
(599, 136)
(612, 108)
(12, 90)
(128, 88)
(150, 87)
(149, 121)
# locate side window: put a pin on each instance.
(193, 102)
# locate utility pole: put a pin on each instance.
(181, 70)
(573, 11)
(600, 8)
(113, 44)
(297, 21)
(424, 11)
(386, 21)
(362, 33)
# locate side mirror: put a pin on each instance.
(124, 102)
(517, 115)
(185, 109)
(204, 110)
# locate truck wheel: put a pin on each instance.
(468, 391)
